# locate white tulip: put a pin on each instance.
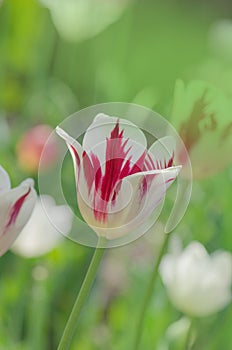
(42, 232)
(198, 284)
(77, 20)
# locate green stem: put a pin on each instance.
(71, 325)
(139, 328)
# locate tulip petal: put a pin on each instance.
(102, 126)
(4, 180)
(137, 198)
(113, 149)
(74, 148)
(16, 207)
(108, 128)
(149, 189)
(223, 264)
(161, 154)
(42, 232)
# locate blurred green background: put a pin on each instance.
(44, 77)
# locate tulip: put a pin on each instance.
(16, 206)
(77, 20)
(202, 114)
(40, 235)
(198, 284)
(119, 182)
(30, 148)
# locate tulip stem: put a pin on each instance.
(71, 325)
(139, 327)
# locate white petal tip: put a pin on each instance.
(61, 132)
(101, 117)
(28, 182)
(67, 138)
(178, 168)
(175, 169)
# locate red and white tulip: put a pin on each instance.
(16, 206)
(119, 182)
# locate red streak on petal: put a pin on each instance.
(143, 187)
(76, 155)
(139, 165)
(159, 164)
(14, 212)
(97, 170)
(88, 170)
(126, 168)
(92, 170)
(170, 180)
(170, 162)
(115, 158)
(149, 164)
(118, 165)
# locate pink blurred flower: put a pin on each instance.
(119, 182)
(16, 206)
(30, 147)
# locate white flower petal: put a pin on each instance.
(134, 203)
(162, 152)
(101, 129)
(167, 269)
(16, 206)
(74, 148)
(4, 180)
(223, 265)
(43, 231)
(158, 181)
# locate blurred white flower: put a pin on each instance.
(77, 20)
(220, 38)
(42, 233)
(198, 284)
